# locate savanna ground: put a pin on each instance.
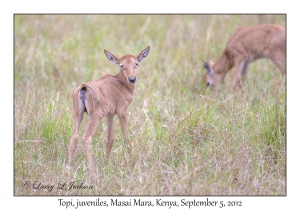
(187, 139)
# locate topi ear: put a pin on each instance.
(143, 54)
(207, 67)
(111, 57)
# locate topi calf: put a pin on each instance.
(105, 97)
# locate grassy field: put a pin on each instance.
(187, 140)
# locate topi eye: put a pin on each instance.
(122, 67)
(136, 65)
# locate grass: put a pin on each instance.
(187, 140)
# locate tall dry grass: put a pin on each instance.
(187, 140)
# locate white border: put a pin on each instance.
(153, 6)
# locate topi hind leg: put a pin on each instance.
(87, 141)
(74, 139)
(279, 60)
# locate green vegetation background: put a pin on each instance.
(187, 140)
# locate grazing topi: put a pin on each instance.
(245, 46)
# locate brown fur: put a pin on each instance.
(105, 97)
(247, 45)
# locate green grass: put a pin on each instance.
(187, 140)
